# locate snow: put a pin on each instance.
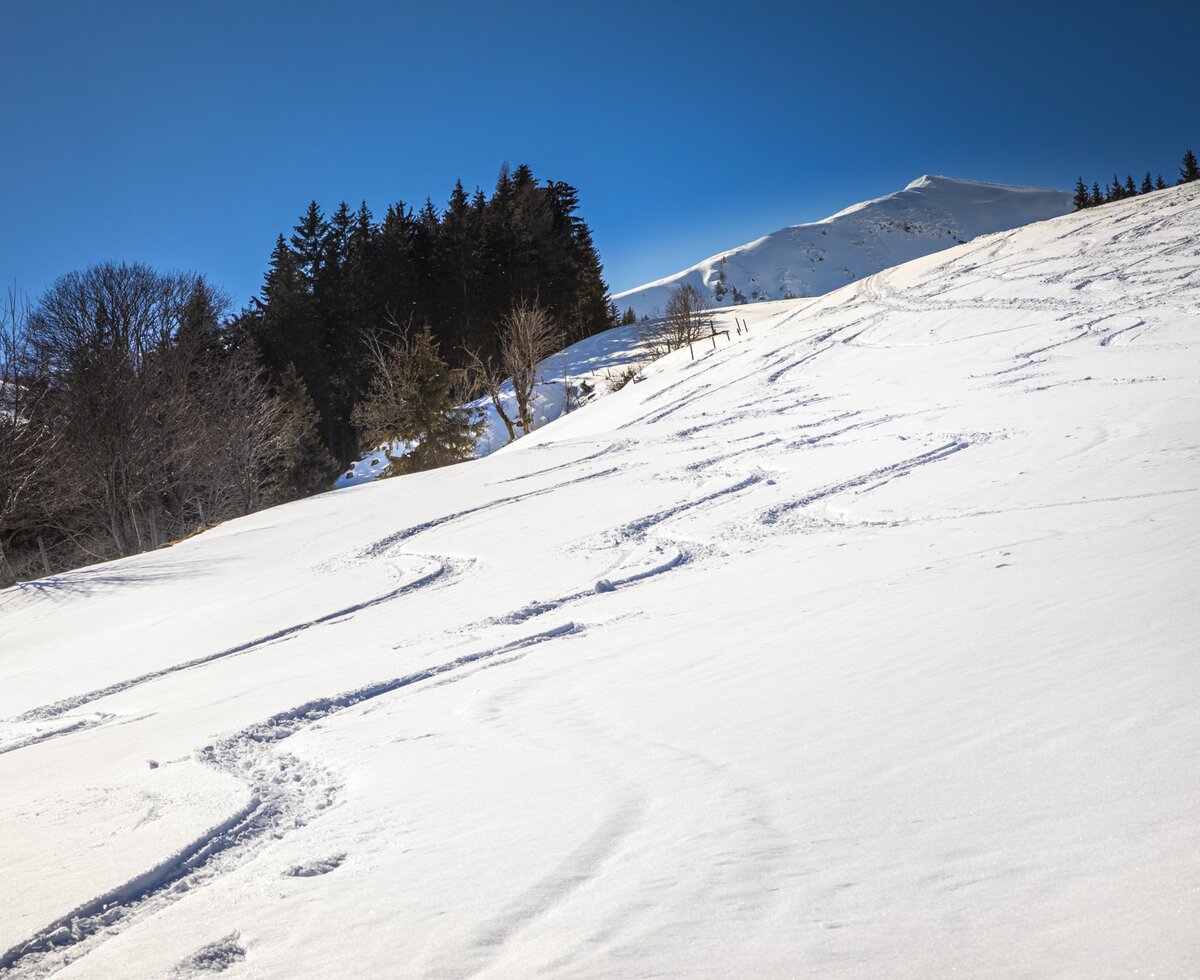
(929, 215)
(864, 644)
(587, 365)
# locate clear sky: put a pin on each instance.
(189, 134)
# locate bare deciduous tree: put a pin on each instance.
(487, 378)
(528, 336)
(107, 338)
(128, 420)
(686, 318)
(29, 436)
(242, 439)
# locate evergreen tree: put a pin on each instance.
(589, 313)
(1116, 192)
(1097, 194)
(1082, 200)
(396, 287)
(1147, 183)
(201, 332)
(1159, 183)
(308, 243)
(425, 246)
(498, 246)
(334, 302)
(460, 271)
(1130, 186)
(1189, 170)
(283, 321)
(304, 466)
(414, 400)
(336, 279)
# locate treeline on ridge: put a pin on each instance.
(1119, 190)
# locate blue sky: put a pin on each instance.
(189, 134)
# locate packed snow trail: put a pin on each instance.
(862, 644)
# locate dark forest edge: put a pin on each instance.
(136, 408)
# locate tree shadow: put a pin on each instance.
(93, 581)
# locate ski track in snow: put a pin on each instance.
(446, 569)
(441, 572)
(287, 794)
(875, 478)
(386, 544)
(613, 447)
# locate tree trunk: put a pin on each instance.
(7, 575)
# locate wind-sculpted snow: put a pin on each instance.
(872, 624)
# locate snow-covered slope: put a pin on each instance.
(585, 366)
(930, 214)
(863, 645)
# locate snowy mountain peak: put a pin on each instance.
(931, 213)
(924, 181)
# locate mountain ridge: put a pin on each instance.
(928, 215)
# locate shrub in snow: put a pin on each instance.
(616, 382)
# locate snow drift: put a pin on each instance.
(864, 644)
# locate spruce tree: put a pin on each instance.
(308, 242)
(1097, 194)
(1082, 200)
(334, 301)
(459, 271)
(1130, 186)
(304, 466)
(413, 400)
(398, 272)
(1189, 170)
(1159, 183)
(458, 262)
(1116, 192)
(1147, 183)
(283, 322)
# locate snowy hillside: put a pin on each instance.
(863, 645)
(585, 366)
(930, 214)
